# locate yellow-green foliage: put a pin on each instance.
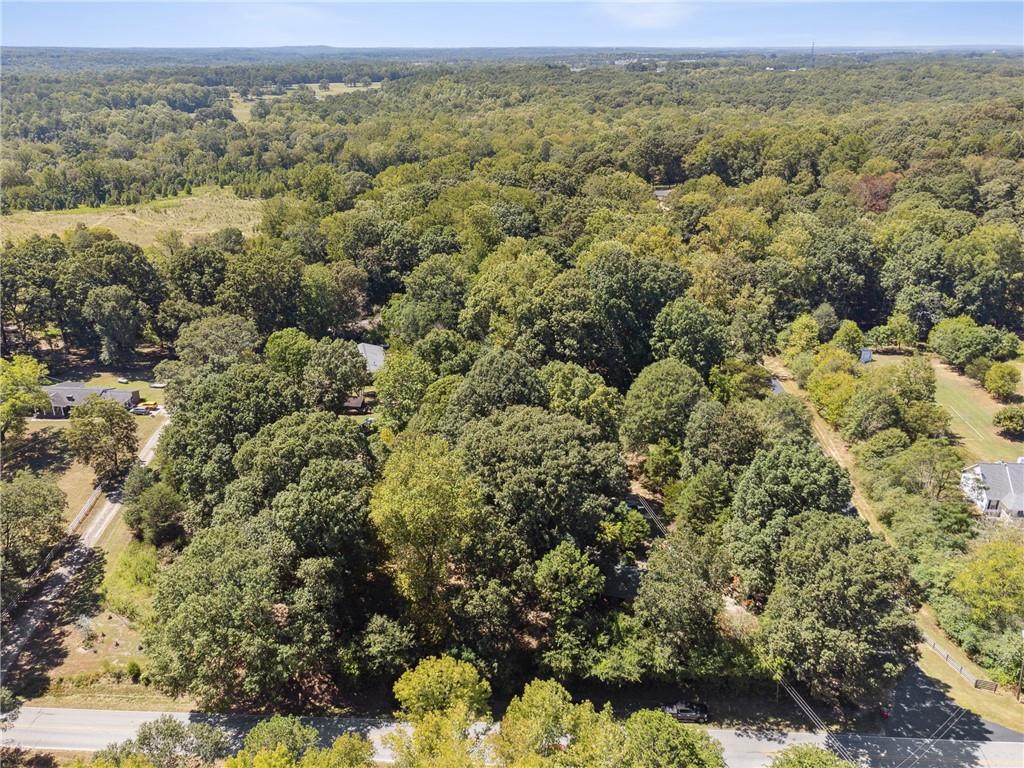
(128, 584)
(991, 579)
(347, 751)
(832, 382)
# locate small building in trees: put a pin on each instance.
(69, 394)
(356, 404)
(996, 488)
(374, 356)
(622, 583)
(865, 355)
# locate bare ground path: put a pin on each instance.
(79, 556)
(998, 708)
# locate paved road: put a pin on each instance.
(18, 633)
(921, 706)
(87, 730)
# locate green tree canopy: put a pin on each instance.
(690, 332)
(102, 434)
(21, 393)
(659, 404)
(781, 482)
(839, 618)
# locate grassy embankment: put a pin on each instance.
(203, 212)
(999, 707)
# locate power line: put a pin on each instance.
(830, 739)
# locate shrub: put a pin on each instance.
(155, 516)
(1010, 420)
(1001, 380)
(439, 684)
(977, 368)
(128, 584)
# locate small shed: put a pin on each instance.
(865, 355)
(356, 404)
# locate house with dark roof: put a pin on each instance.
(622, 582)
(996, 488)
(69, 394)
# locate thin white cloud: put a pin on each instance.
(640, 14)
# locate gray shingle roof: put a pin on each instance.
(71, 393)
(374, 356)
(1005, 482)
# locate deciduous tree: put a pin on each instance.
(102, 434)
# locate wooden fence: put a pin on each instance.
(977, 682)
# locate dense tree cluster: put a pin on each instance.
(911, 468)
(553, 332)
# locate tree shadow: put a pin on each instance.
(922, 706)
(82, 367)
(236, 726)
(887, 751)
(46, 450)
(72, 591)
(16, 757)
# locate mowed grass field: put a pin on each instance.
(971, 409)
(203, 212)
(241, 108)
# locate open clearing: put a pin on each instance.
(241, 107)
(971, 409)
(203, 212)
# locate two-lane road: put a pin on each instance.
(86, 730)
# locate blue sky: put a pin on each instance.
(492, 24)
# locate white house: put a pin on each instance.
(996, 488)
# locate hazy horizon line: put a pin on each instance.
(567, 47)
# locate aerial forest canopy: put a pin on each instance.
(553, 330)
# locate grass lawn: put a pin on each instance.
(45, 450)
(971, 409)
(203, 212)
